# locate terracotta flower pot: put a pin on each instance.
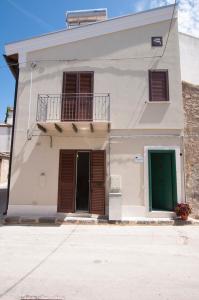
(184, 217)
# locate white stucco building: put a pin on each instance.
(5, 140)
(99, 119)
(189, 47)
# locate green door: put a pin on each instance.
(162, 180)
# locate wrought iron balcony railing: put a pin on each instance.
(73, 107)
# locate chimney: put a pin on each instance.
(83, 17)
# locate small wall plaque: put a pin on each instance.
(156, 41)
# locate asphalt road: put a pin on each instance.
(3, 200)
(99, 262)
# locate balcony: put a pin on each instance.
(73, 111)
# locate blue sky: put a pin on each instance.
(21, 19)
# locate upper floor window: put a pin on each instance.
(158, 85)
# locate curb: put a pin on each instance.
(53, 221)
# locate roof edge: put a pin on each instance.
(91, 30)
(189, 35)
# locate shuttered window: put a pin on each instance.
(158, 85)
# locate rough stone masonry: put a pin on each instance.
(191, 143)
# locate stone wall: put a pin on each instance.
(191, 141)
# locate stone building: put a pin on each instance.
(189, 49)
(191, 142)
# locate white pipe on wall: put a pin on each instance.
(144, 135)
(30, 100)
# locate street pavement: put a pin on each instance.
(99, 262)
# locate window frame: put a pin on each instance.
(167, 98)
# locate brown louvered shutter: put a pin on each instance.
(67, 181)
(77, 98)
(158, 85)
(69, 94)
(98, 174)
(85, 111)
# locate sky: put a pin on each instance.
(21, 19)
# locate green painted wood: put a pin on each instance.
(162, 180)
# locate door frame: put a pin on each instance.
(179, 181)
(89, 194)
(174, 181)
(75, 187)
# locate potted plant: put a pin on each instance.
(183, 210)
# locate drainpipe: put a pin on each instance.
(30, 99)
(12, 139)
(184, 166)
(32, 67)
(109, 139)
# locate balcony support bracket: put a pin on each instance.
(91, 127)
(58, 128)
(42, 128)
(109, 127)
(74, 127)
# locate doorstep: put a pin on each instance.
(93, 220)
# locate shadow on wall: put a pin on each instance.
(114, 43)
(27, 168)
(123, 153)
(153, 113)
(141, 102)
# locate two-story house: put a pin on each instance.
(99, 117)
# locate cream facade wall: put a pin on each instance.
(36, 166)
(125, 78)
(133, 197)
(120, 62)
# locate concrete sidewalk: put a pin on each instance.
(99, 262)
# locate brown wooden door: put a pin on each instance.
(77, 98)
(69, 96)
(98, 175)
(85, 109)
(67, 181)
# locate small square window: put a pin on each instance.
(156, 41)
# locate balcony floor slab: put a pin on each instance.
(81, 128)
